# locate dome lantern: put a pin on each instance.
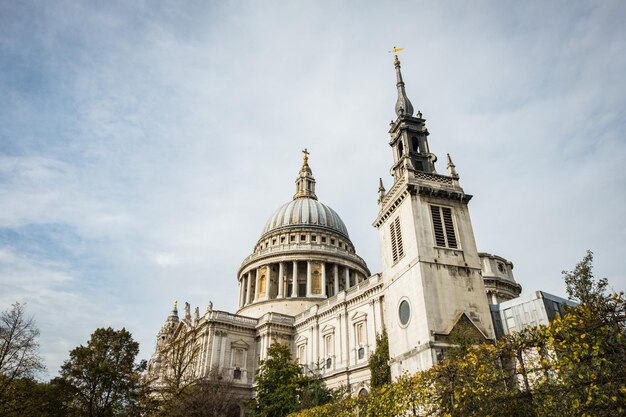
(305, 183)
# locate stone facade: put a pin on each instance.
(305, 286)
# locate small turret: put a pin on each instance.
(381, 190)
(452, 168)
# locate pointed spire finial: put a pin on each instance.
(403, 104)
(381, 190)
(452, 168)
(305, 183)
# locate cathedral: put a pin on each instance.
(304, 285)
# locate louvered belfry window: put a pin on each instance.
(397, 249)
(443, 227)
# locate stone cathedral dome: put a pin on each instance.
(305, 211)
(304, 255)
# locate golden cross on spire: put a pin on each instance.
(306, 155)
(395, 51)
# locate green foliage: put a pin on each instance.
(27, 397)
(102, 378)
(581, 284)
(283, 389)
(379, 361)
(574, 367)
(278, 384)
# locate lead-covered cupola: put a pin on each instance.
(304, 255)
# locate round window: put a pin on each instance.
(404, 312)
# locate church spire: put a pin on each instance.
(403, 104)
(305, 183)
(409, 136)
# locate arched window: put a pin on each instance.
(415, 146)
(400, 149)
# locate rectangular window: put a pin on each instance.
(238, 358)
(397, 249)
(328, 345)
(443, 227)
(302, 354)
(360, 334)
(313, 238)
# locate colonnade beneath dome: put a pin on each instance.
(293, 279)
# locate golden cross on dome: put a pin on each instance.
(306, 154)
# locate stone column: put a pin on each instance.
(241, 291)
(281, 282)
(256, 284)
(249, 287)
(336, 278)
(268, 280)
(324, 294)
(294, 280)
(374, 321)
(308, 278)
(347, 277)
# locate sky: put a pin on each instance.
(144, 144)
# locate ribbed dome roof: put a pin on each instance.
(306, 211)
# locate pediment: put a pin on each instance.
(462, 329)
(239, 344)
(359, 316)
(328, 329)
(300, 340)
(181, 327)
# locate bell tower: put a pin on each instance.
(434, 292)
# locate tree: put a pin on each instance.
(27, 397)
(379, 361)
(283, 389)
(19, 348)
(582, 286)
(213, 396)
(314, 392)
(279, 382)
(572, 367)
(177, 367)
(102, 378)
(589, 343)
